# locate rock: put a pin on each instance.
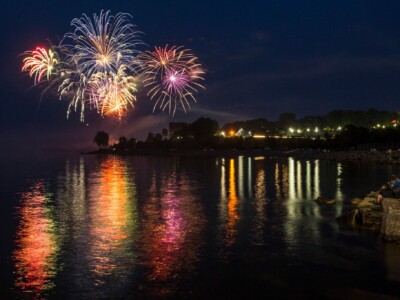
(383, 218)
(390, 202)
(323, 200)
(391, 219)
(369, 214)
(366, 202)
(355, 201)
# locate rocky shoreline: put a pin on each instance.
(383, 219)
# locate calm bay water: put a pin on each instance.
(103, 227)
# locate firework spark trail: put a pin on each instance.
(98, 66)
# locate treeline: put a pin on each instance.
(338, 129)
(332, 120)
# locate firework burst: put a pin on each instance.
(104, 44)
(112, 94)
(171, 76)
(40, 63)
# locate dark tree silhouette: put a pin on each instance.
(204, 128)
(165, 133)
(101, 139)
(123, 143)
(286, 120)
(150, 138)
(132, 144)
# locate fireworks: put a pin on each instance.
(172, 75)
(104, 44)
(39, 63)
(98, 66)
(113, 94)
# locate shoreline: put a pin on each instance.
(369, 156)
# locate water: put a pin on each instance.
(105, 227)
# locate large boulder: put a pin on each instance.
(391, 219)
(356, 201)
(369, 214)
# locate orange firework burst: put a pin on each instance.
(112, 94)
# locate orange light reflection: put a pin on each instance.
(110, 217)
(36, 243)
(233, 201)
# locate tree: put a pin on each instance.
(165, 133)
(286, 120)
(132, 144)
(179, 129)
(123, 143)
(150, 138)
(158, 137)
(204, 128)
(101, 139)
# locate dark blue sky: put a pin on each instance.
(262, 58)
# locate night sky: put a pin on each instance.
(262, 58)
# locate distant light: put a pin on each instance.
(339, 128)
(223, 133)
(299, 131)
(231, 132)
(378, 125)
(259, 136)
(259, 158)
(383, 126)
(308, 129)
(291, 130)
(316, 129)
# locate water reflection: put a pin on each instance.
(35, 255)
(228, 207)
(71, 200)
(112, 221)
(298, 207)
(260, 202)
(172, 225)
(137, 223)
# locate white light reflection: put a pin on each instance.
(240, 178)
(302, 211)
(339, 194)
